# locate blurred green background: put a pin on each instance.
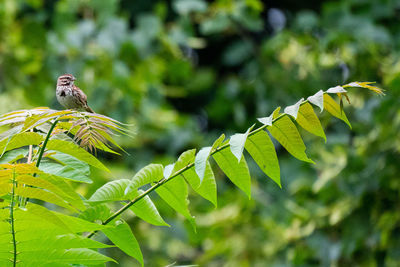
(184, 71)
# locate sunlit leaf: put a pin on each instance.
(149, 174)
(65, 172)
(207, 188)
(262, 150)
(20, 140)
(111, 191)
(317, 99)
(286, 133)
(75, 151)
(293, 109)
(147, 211)
(46, 196)
(237, 172)
(367, 85)
(121, 235)
(334, 109)
(307, 119)
(203, 155)
(237, 142)
(175, 194)
(201, 161)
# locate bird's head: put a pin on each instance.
(66, 80)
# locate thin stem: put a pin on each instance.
(41, 152)
(45, 142)
(12, 221)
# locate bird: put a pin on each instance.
(71, 96)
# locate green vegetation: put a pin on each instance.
(179, 74)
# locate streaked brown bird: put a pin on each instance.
(69, 95)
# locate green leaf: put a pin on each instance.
(217, 143)
(75, 151)
(262, 150)
(44, 213)
(69, 193)
(237, 142)
(147, 211)
(111, 191)
(20, 140)
(286, 133)
(56, 257)
(40, 194)
(66, 172)
(77, 225)
(203, 155)
(93, 213)
(309, 120)
(334, 109)
(149, 174)
(237, 172)
(121, 235)
(45, 240)
(175, 194)
(14, 155)
(36, 120)
(42, 182)
(71, 161)
(275, 114)
(207, 188)
(184, 160)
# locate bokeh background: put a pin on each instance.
(185, 71)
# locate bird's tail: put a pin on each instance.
(88, 109)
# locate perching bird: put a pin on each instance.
(69, 95)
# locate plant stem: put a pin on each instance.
(45, 142)
(24, 200)
(12, 221)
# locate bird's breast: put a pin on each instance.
(65, 97)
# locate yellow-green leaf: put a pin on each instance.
(146, 210)
(121, 235)
(307, 119)
(367, 85)
(20, 140)
(175, 194)
(262, 150)
(42, 195)
(334, 109)
(237, 172)
(75, 151)
(208, 187)
(286, 133)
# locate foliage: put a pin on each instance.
(23, 178)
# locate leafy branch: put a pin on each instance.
(317, 99)
(62, 158)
